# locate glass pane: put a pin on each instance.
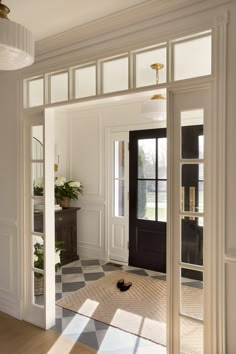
(85, 82)
(162, 201)
(59, 87)
(145, 75)
(192, 134)
(119, 198)
(37, 178)
(147, 200)
(201, 146)
(162, 158)
(36, 92)
(38, 289)
(119, 159)
(192, 58)
(191, 337)
(147, 158)
(38, 215)
(191, 294)
(115, 75)
(192, 190)
(192, 240)
(38, 264)
(37, 142)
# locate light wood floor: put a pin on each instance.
(20, 337)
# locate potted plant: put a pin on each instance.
(66, 190)
(39, 263)
(38, 186)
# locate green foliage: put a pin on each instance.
(39, 256)
(70, 189)
(67, 190)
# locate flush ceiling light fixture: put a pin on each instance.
(156, 108)
(16, 43)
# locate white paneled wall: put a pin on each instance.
(86, 150)
(8, 263)
(10, 246)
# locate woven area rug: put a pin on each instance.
(141, 310)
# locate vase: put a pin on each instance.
(64, 202)
(38, 285)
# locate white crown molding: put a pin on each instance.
(121, 23)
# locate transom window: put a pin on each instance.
(189, 57)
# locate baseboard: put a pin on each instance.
(11, 308)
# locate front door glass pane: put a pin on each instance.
(146, 200)
(147, 158)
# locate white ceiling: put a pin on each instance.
(46, 18)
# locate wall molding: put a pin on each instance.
(9, 299)
(148, 23)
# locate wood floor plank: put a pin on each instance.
(20, 337)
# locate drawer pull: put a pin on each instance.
(60, 219)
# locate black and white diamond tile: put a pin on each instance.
(100, 336)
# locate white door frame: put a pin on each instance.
(203, 100)
(42, 316)
(118, 226)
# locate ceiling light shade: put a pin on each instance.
(155, 109)
(16, 43)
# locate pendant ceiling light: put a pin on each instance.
(16, 43)
(155, 109)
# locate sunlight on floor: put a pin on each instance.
(74, 329)
(88, 307)
(127, 343)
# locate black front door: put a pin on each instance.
(148, 199)
(192, 199)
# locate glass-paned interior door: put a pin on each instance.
(39, 225)
(191, 114)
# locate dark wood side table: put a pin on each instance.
(65, 230)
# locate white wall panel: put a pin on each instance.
(90, 231)
(118, 236)
(62, 142)
(85, 152)
(230, 302)
(8, 263)
(10, 246)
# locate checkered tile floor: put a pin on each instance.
(102, 337)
